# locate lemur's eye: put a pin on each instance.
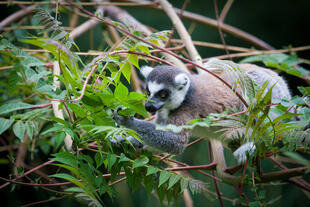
(148, 93)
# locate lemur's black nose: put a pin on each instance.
(149, 106)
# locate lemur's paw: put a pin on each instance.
(244, 150)
(121, 120)
(116, 140)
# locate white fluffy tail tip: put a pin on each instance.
(241, 153)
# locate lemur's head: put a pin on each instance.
(166, 87)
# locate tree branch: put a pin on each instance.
(59, 112)
(17, 15)
(186, 38)
(226, 28)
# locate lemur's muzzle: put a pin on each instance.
(153, 106)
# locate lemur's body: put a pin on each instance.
(188, 97)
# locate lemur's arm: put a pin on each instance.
(164, 141)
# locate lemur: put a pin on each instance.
(177, 97)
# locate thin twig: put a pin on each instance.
(226, 28)
(17, 15)
(210, 166)
(220, 22)
(26, 173)
(45, 201)
(259, 52)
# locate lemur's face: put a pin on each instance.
(167, 96)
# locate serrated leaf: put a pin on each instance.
(111, 160)
(7, 108)
(304, 90)
(59, 138)
(31, 129)
(121, 92)
(66, 158)
(173, 180)
(133, 59)
(19, 129)
(5, 124)
(55, 128)
(139, 162)
(184, 184)
(61, 121)
(75, 189)
(125, 68)
(77, 109)
(163, 177)
(151, 170)
(99, 159)
(149, 184)
(123, 158)
(69, 178)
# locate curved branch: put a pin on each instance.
(17, 15)
(58, 112)
(186, 38)
(226, 28)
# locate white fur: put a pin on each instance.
(145, 70)
(178, 94)
(181, 80)
(154, 87)
(241, 153)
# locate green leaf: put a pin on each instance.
(184, 184)
(31, 128)
(111, 160)
(125, 68)
(163, 177)
(99, 158)
(9, 107)
(5, 124)
(60, 52)
(66, 158)
(75, 190)
(149, 184)
(61, 121)
(133, 59)
(59, 138)
(69, 178)
(173, 180)
(77, 109)
(123, 158)
(254, 204)
(19, 129)
(304, 90)
(55, 128)
(139, 162)
(121, 92)
(151, 170)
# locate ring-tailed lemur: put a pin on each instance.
(177, 97)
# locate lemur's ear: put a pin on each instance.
(181, 80)
(145, 70)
